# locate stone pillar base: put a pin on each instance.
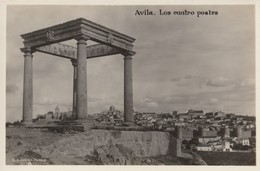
(26, 123)
(83, 120)
(86, 123)
(130, 123)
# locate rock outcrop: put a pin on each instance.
(114, 147)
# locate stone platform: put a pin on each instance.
(75, 125)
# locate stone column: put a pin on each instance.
(81, 99)
(128, 87)
(27, 87)
(74, 105)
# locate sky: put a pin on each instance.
(181, 62)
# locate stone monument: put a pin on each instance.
(48, 40)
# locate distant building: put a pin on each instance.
(207, 131)
(226, 145)
(205, 140)
(112, 116)
(149, 114)
(174, 114)
(227, 120)
(217, 147)
(195, 113)
(57, 113)
(209, 115)
(204, 147)
(202, 117)
(242, 141)
(231, 115)
(112, 108)
(239, 118)
(240, 132)
(249, 126)
(179, 124)
(165, 115)
(49, 116)
(220, 115)
(187, 134)
(184, 116)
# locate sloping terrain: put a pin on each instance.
(228, 158)
(94, 147)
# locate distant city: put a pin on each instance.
(198, 131)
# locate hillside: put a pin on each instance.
(94, 147)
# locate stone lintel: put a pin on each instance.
(70, 52)
(75, 28)
(59, 49)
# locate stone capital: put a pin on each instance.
(27, 50)
(128, 54)
(74, 62)
(82, 39)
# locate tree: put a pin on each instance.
(185, 142)
(194, 141)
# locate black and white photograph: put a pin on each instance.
(130, 85)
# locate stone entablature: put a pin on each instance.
(75, 28)
(70, 52)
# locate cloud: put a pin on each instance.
(152, 104)
(213, 101)
(191, 81)
(175, 79)
(220, 82)
(184, 84)
(147, 101)
(11, 88)
(188, 77)
(246, 83)
(226, 82)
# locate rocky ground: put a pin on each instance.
(96, 147)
